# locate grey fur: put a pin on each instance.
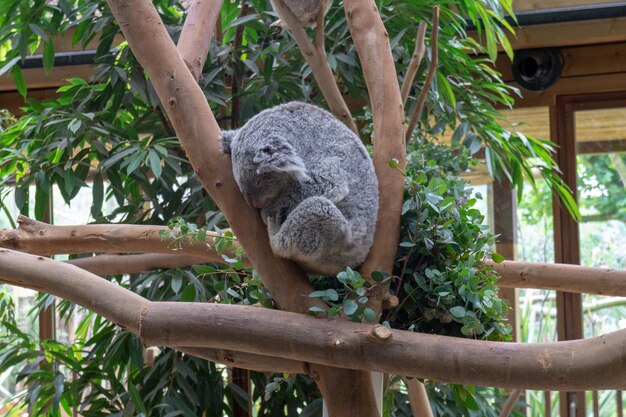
(314, 182)
(305, 10)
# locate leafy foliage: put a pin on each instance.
(443, 284)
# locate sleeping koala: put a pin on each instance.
(314, 182)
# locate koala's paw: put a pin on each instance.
(273, 224)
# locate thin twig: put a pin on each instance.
(315, 56)
(416, 59)
(434, 61)
(510, 403)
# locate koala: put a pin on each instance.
(313, 181)
(305, 10)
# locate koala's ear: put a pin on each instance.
(276, 155)
(226, 139)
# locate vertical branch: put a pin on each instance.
(432, 70)
(315, 56)
(372, 45)
(416, 59)
(195, 38)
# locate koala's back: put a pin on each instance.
(318, 138)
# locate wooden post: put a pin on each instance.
(505, 225)
(566, 242)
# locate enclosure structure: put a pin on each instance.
(542, 366)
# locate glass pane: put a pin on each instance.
(535, 243)
(601, 167)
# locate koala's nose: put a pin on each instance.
(252, 200)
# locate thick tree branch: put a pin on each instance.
(416, 59)
(588, 364)
(199, 134)
(372, 45)
(195, 38)
(315, 56)
(430, 77)
(594, 363)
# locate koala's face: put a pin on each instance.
(264, 169)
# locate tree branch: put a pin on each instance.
(432, 70)
(416, 59)
(510, 403)
(104, 265)
(418, 398)
(561, 277)
(43, 239)
(587, 364)
(195, 38)
(315, 56)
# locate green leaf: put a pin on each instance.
(18, 78)
(97, 192)
(189, 293)
(176, 283)
(136, 397)
(379, 276)
(155, 163)
(315, 310)
(48, 55)
(458, 312)
(350, 307)
(369, 315)
(497, 258)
